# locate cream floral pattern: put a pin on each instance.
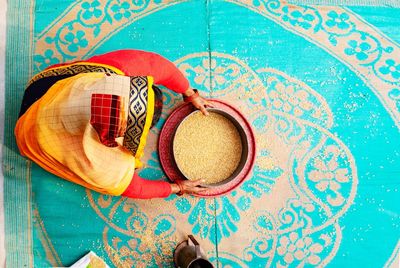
(328, 175)
(209, 74)
(290, 101)
(303, 249)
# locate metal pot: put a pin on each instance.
(188, 254)
(243, 137)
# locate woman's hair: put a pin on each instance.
(158, 105)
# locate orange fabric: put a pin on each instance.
(145, 189)
(58, 136)
(142, 63)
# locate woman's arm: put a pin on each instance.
(145, 189)
(142, 63)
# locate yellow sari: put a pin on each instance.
(57, 131)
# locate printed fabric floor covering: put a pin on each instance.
(320, 85)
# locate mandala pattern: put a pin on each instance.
(324, 177)
(288, 213)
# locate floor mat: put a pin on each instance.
(319, 83)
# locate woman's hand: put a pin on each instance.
(187, 186)
(198, 101)
(201, 104)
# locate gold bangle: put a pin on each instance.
(181, 189)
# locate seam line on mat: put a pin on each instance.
(208, 16)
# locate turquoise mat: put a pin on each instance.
(320, 85)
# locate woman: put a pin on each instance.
(87, 121)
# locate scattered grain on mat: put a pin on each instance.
(116, 258)
(207, 147)
(96, 262)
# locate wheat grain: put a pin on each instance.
(207, 147)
